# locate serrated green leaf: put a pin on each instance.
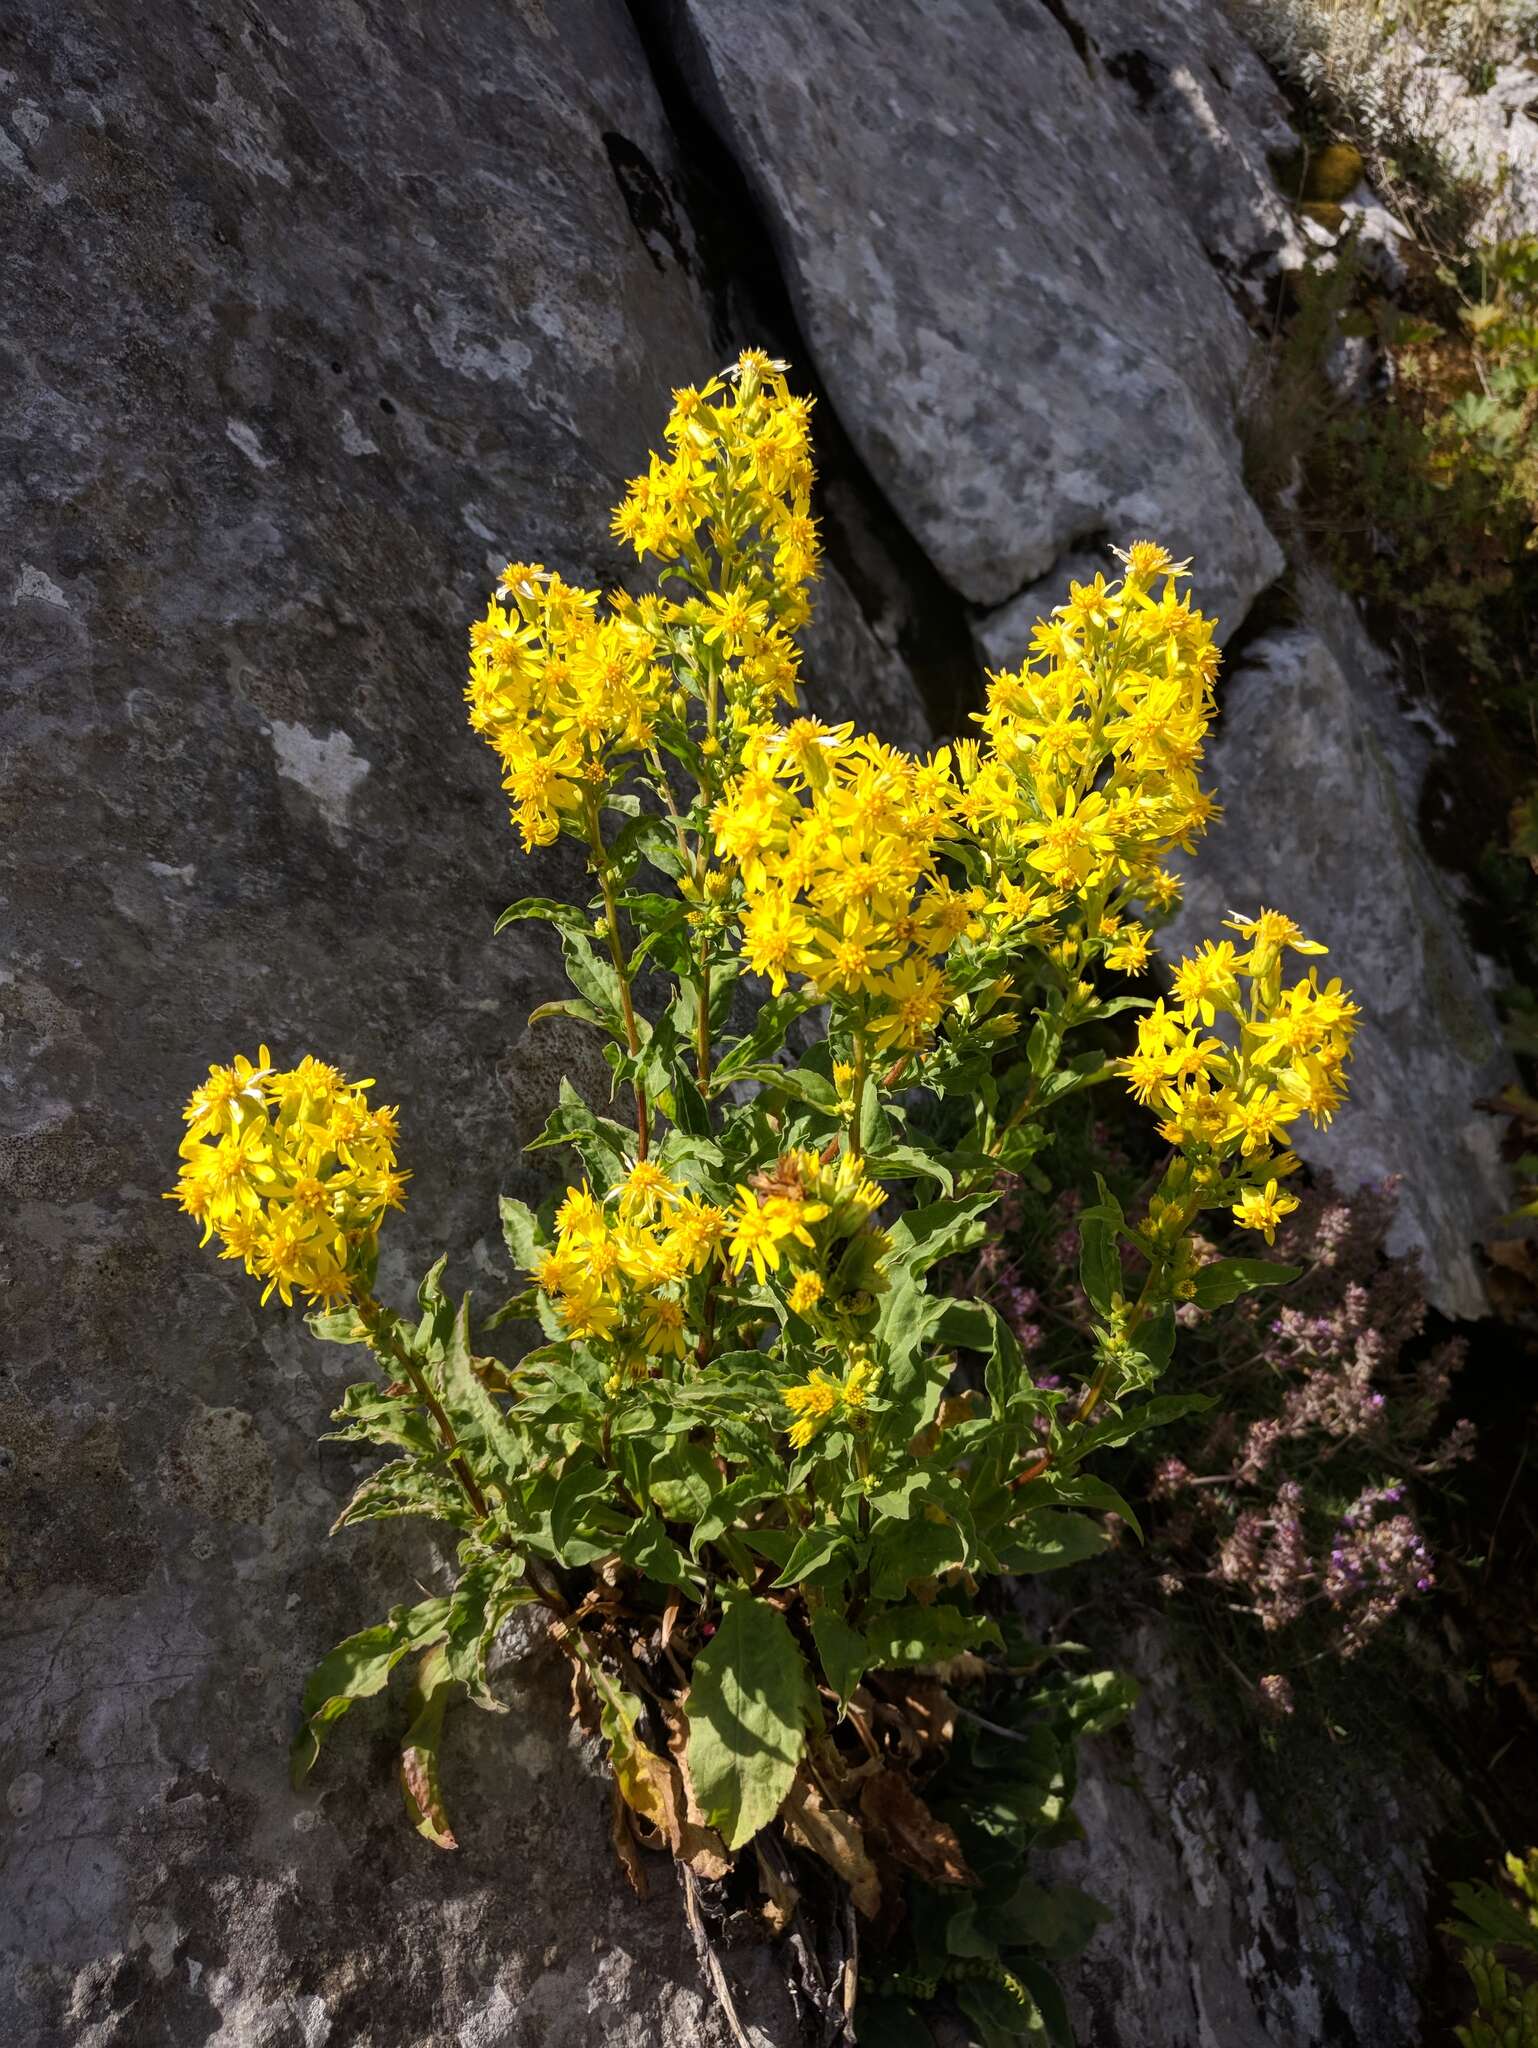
(373, 1415)
(1095, 1701)
(359, 1667)
(522, 1234)
(431, 1690)
(489, 1444)
(593, 976)
(747, 1718)
(649, 1547)
(999, 2017)
(407, 1486)
(902, 1552)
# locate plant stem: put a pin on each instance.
(702, 1026)
(384, 1342)
(621, 969)
(852, 1143)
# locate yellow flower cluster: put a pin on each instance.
(1283, 1055)
(738, 470)
(1087, 776)
(803, 1211)
(618, 1270)
(837, 842)
(557, 691)
(562, 685)
(821, 1397)
(292, 1169)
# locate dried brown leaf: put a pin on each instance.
(900, 1823)
(697, 1842)
(626, 1850)
(837, 1838)
(780, 1896)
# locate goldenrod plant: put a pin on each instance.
(756, 1462)
(1494, 1923)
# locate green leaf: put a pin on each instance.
(905, 1551)
(651, 838)
(924, 1236)
(522, 1233)
(593, 976)
(650, 1548)
(1083, 1490)
(1156, 1338)
(907, 1162)
(684, 1480)
(802, 1085)
(1000, 2018)
(549, 909)
(580, 1529)
(730, 1504)
(1048, 1540)
(1059, 1921)
(1099, 1252)
(1095, 1701)
(1047, 1992)
(372, 1415)
(911, 1635)
(774, 1019)
(1226, 1279)
(485, 1596)
(747, 1718)
(574, 1007)
(822, 1555)
(431, 1691)
(602, 1145)
(407, 1486)
(489, 1444)
(356, 1669)
(1152, 1414)
(842, 1650)
(338, 1326)
(875, 1131)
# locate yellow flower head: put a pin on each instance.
(1263, 1208)
(292, 1170)
(805, 1293)
(821, 1397)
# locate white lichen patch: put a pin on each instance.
(245, 440)
(35, 584)
(328, 770)
(354, 440)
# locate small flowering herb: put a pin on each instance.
(758, 1459)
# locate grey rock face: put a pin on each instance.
(1220, 1931)
(1319, 775)
(319, 315)
(1025, 343)
(1213, 114)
